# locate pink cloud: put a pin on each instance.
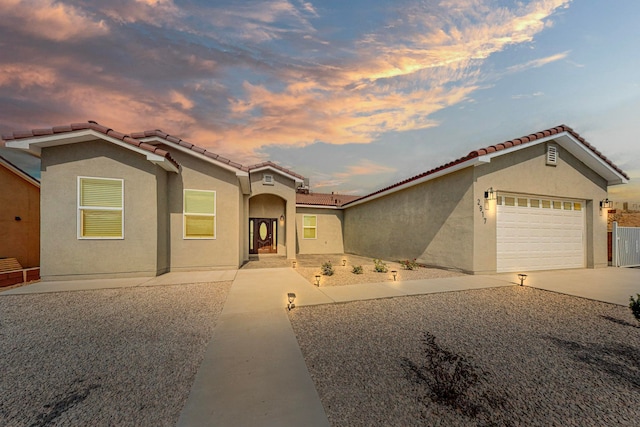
(50, 19)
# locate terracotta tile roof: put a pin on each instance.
(324, 199)
(95, 127)
(275, 166)
(504, 145)
(178, 141)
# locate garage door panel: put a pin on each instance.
(536, 238)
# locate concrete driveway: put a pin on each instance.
(614, 285)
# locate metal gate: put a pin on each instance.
(626, 246)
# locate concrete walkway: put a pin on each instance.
(253, 373)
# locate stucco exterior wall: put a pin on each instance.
(19, 239)
(432, 222)
(328, 234)
(62, 254)
(525, 172)
(204, 254)
(285, 189)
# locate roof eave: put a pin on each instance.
(157, 139)
(22, 174)
(303, 205)
(463, 165)
(271, 168)
(577, 149)
(35, 145)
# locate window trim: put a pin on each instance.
(315, 227)
(185, 213)
(80, 208)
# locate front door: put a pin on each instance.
(262, 236)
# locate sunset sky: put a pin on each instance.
(355, 95)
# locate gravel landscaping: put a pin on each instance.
(309, 266)
(512, 356)
(106, 357)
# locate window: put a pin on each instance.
(509, 201)
(100, 208)
(546, 204)
(557, 204)
(199, 214)
(577, 206)
(535, 203)
(522, 202)
(309, 226)
(567, 205)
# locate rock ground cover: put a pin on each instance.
(309, 266)
(106, 357)
(521, 356)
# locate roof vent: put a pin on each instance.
(552, 155)
(267, 179)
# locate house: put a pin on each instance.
(19, 215)
(147, 203)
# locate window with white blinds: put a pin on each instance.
(199, 214)
(100, 208)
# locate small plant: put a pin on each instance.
(409, 265)
(379, 266)
(634, 305)
(357, 269)
(327, 269)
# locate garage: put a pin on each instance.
(539, 233)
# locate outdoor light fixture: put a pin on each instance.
(344, 262)
(605, 204)
(291, 297)
(318, 280)
(395, 273)
(294, 264)
(281, 219)
(522, 278)
(490, 194)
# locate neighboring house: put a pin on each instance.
(19, 215)
(147, 203)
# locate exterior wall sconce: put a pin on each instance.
(605, 204)
(522, 278)
(281, 219)
(344, 262)
(395, 273)
(291, 297)
(294, 264)
(317, 280)
(488, 196)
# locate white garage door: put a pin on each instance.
(537, 233)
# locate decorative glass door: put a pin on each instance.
(262, 235)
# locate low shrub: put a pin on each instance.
(634, 305)
(409, 265)
(379, 266)
(327, 269)
(357, 269)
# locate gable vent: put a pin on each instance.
(552, 155)
(267, 179)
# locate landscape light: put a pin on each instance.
(344, 262)
(522, 278)
(395, 273)
(294, 264)
(317, 280)
(291, 297)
